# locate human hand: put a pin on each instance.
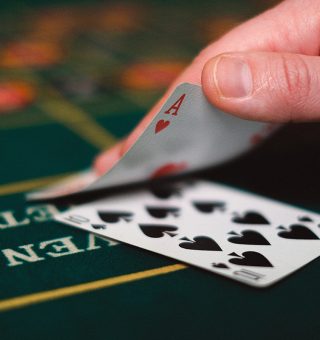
(266, 69)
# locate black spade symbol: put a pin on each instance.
(220, 265)
(98, 226)
(163, 212)
(208, 207)
(251, 217)
(249, 237)
(201, 243)
(298, 232)
(114, 216)
(165, 191)
(156, 230)
(251, 258)
(305, 219)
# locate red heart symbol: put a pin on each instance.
(168, 169)
(162, 124)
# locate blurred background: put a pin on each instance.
(77, 76)
(106, 58)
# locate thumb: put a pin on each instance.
(265, 86)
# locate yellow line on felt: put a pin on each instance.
(78, 121)
(26, 300)
(16, 187)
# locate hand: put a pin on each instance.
(266, 69)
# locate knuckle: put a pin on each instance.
(295, 80)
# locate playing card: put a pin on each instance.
(239, 235)
(187, 134)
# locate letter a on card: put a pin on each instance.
(173, 110)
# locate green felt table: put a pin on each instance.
(57, 282)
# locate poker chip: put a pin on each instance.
(30, 54)
(151, 75)
(58, 24)
(118, 18)
(15, 95)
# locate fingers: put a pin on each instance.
(292, 26)
(275, 87)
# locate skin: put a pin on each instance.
(276, 54)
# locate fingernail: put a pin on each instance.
(233, 77)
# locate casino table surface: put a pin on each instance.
(75, 77)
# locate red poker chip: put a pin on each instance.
(151, 75)
(15, 95)
(30, 54)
